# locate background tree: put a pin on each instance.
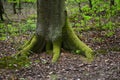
(14, 6)
(90, 4)
(53, 31)
(20, 7)
(1, 10)
(112, 2)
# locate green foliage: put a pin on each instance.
(77, 24)
(17, 1)
(108, 26)
(101, 12)
(53, 77)
(87, 17)
(118, 4)
(28, 26)
(110, 33)
(77, 51)
(2, 36)
(15, 29)
(13, 62)
(85, 8)
(99, 40)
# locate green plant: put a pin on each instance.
(28, 26)
(99, 40)
(110, 33)
(108, 26)
(14, 62)
(53, 77)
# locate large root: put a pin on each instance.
(56, 49)
(72, 42)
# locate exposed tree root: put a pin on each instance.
(56, 49)
(72, 42)
(35, 44)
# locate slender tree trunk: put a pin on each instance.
(112, 2)
(90, 4)
(14, 7)
(79, 5)
(20, 8)
(53, 31)
(1, 10)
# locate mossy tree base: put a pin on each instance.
(68, 41)
(72, 42)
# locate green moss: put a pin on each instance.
(27, 49)
(27, 43)
(36, 43)
(56, 49)
(72, 42)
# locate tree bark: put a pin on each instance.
(112, 2)
(90, 4)
(20, 8)
(1, 10)
(14, 7)
(53, 31)
(51, 18)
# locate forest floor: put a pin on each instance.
(106, 65)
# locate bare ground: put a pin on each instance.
(106, 65)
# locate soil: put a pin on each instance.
(106, 65)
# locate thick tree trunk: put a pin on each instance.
(51, 18)
(53, 31)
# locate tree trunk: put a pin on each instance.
(20, 8)
(53, 31)
(14, 7)
(90, 4)
(112, 3)
(1, 10)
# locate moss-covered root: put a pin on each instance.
(71, 41)
(32, 45)
(56, 49)
(27, 43)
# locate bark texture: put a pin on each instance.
(50, 18)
